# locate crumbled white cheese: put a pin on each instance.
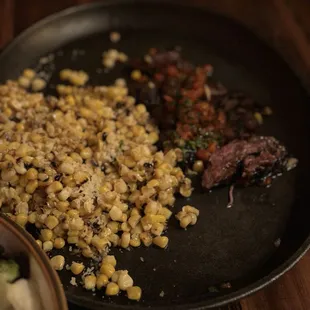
(73, 281)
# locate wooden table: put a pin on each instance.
(292, 291)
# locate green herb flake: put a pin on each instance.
(121, 144)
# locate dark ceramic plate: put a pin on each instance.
(239, 245)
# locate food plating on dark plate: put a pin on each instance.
(207, 121)
(260, 215)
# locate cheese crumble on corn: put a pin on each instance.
(84, 169)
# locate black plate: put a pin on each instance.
(238, 244)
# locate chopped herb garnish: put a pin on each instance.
(121, 144)
(188, 103)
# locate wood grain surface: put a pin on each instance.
(292, 22)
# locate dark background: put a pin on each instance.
(284, 24)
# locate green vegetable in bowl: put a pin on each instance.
(16, 293)
(9, 270)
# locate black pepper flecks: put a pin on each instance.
(148, 165)
(28, 166)
(57, 177)
(120, 105)
(94, 163)
(104, 136)
(85, 181)
(141, 184)
(15, 119)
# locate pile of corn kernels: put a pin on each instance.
(84, 169)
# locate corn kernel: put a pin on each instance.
(141, 108)
(24, 81)
(153, 137)
(135, 242)
(124, 281)
(157, 218)
(125, 227)
(134, 220)
(136, 75)
(112, 289)
(107, 269)
(161, 241)
(185, 192)
(32, 217)
(125, 239)
(29, 73)
(73, 213)
(32, 174)
(66, 168)
(58, 262)
(51, 221)
(165, 212)
(38, 84)
(100, 243)
(190, 209)
(21, 219)
(102, 281)
(70, 100)
(185, 221)
(62, 206)
(55, 187)
(47, 246)
(76, 157)
(73, 233)
(113, 226)
(120, 186)
(90, 282)
(134, 293)
(152, 183)
(86, 153)
(46, 234)
(59, 243)
(157, 229)
(115, 213)
(146, 238)
(87, 252)
(77, 268)
(64, 194)
(8, 175)
(80, 177)
(109, 259)
(76, 224)
(20, 127)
